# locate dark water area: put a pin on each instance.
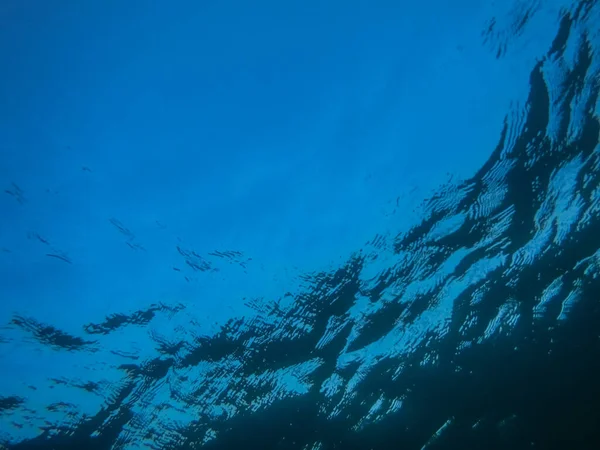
(481, 330)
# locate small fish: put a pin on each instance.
(32, 235)
(61, 257)
(136, 246)
(16, 192)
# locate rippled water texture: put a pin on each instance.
(477, 327)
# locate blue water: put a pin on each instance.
(297, 225)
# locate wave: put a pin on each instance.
(474, 327)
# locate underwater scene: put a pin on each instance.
(300, 225)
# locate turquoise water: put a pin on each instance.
(211, 212)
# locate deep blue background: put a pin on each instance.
(289, 131)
